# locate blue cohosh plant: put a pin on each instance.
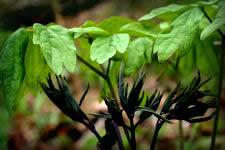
(184, 105)
(175, 34)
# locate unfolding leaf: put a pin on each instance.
(139, 52)
(57, 45)
(180, 39)
(105, 47)
(114, 23)
(12, 67)
(137, 29)
(217, 23)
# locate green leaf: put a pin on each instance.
(163, 12)
(105, 47)
(180, 39)
(207, 59)
(88, 23)
(114, 23)
(137, 29)
(187, 63)
(204, 3)
(36, 68)
(12, 67)
(139, 52)
(58, 46)
(217, 23)
(89, 30)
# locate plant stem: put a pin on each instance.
(92, 67)
(155, 135)
(106, 78)
(133, 138)
(220, 85)
(119, 139)
(92, 129)
(181, 135)
(219, 96)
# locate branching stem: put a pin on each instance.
(220, 85)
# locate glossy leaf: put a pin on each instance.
(12, 67)
(105, 47)
(57, 45)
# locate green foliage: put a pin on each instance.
(105, 47)
(164, 12)
(137, 29)
(173, 10)
(180, 39)
(57, 45)
(36, 68)
(88, 30)
(207, 59)
(173, 30)
(114, 23)
(138, 52)
(12, 67)
(5, 125)
(217, 23)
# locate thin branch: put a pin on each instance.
(107, 72)
(181, 135)
(91, 67)
(210, 20)
(220, 85)
(119, 139)
(133, 138)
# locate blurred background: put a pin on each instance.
(39, 125)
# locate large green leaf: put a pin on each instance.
(207, 59)
(12, 67)
(58, 46)
(139, 52)
(217, 23)
(180, 39)
(187, 63)
(114, 23)
(36, 68)
(137, 29)
(163, 12)
(172, 10)
(105, 47)
(204, 3)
